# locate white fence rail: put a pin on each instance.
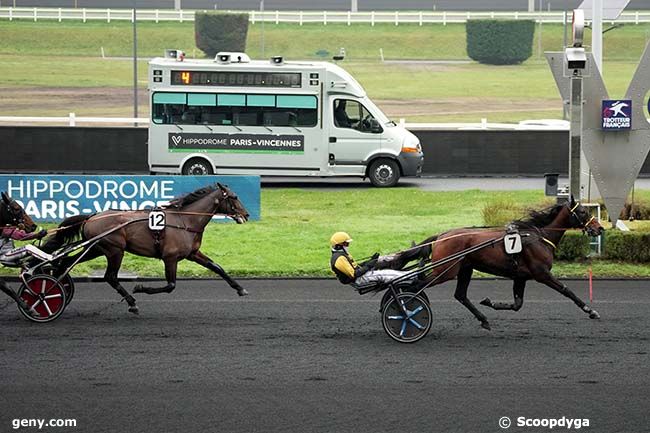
(73, 120)
(297, 17)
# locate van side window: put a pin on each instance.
(235, 109)
(352, 114)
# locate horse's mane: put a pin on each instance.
(191, 197)
(539, 218)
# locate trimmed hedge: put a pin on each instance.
(627, 246)
(217, 31)
(500, 42)
(573, 246)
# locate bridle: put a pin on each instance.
(581, 224)
(17, 220)
(227, 198)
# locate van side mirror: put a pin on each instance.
(375, 127)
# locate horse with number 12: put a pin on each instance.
(171, 233)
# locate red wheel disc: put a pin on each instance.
(45, 296)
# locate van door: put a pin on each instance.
(354, 135)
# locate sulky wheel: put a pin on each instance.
(66, 282)
(68, 285)
(403, 288)
(409, 327)
(44, 296)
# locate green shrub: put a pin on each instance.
(627, 246)
(216, 31)
(500, 42)
(573, 246)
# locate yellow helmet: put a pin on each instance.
(339, 238)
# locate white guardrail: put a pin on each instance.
(297, 17)
(73, 120)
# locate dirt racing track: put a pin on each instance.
(311, 356)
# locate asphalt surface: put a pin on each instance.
(363, 5)
(311, 356)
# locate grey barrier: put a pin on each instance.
(115, 150)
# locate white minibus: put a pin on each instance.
(232, 115)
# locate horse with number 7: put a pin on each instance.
(525, 254)
(172, 233)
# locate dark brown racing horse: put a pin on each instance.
(185, 220)
(540, 233)
(12, 214)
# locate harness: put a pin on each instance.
(159, 235)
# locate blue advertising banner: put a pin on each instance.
(617, 115)
(54, 198)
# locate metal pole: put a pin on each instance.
(531, 5)
(353, 6)
(575, 135)
(565, 109)
(262, 10)
(135, 63)
(539, 40)
(177, 5)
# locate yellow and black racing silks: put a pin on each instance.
(345, 268)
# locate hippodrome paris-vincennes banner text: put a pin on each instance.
(53, 198)
(253, 143)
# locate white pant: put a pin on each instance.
(12, 258)
(379, 276)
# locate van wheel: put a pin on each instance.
(384, 172)
(197, 167)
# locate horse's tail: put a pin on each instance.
(69, 230)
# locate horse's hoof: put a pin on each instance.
(134, 309)
(486, 302)
(486, 325)
(594, 315)
(242, 292)
(138, 288)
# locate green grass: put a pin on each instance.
(494, 96)
(292, 237)
(362, 42)
(52, 54)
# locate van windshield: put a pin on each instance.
(379, 115)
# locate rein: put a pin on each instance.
(96, 217)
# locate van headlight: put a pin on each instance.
(411, 145)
